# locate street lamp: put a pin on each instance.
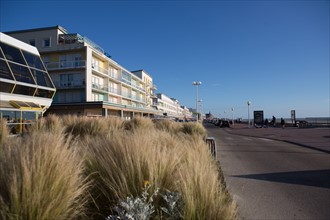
(249, 103)
(197, 84)
(201, 107)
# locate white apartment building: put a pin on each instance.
(88, 81)
(170, 107)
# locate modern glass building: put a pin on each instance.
(26, 89)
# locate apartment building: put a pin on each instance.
(88, 81)
(26, 89)
(170, 107)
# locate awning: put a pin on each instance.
(25, 105)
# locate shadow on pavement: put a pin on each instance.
(317, 178)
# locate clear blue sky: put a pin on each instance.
(273, 53)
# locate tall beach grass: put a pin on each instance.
(41, 178)
(81, 168)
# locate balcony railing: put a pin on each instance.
(138, 87)
(66, 65)
(100, 87)
(114, 90)
(127, 95)
(100, 69)
(106, 72)
(70, 84)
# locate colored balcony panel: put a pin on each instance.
(6, 87)
(33, 60)
(24, 90)
(4, 71)
(12, 53)
(42, 78)
(22, 73)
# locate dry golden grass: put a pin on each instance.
(4, 131)
(117, 157)
(41, 178)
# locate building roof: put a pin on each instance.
(38, 29)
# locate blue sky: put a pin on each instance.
(273, 53)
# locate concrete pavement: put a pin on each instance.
(313, 138)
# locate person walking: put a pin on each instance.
(273, 122)
(282, 123)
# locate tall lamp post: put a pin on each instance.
(197, 84)
(201, 107)
(248, 103)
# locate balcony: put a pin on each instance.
(114, 91)
(138, 87)
(65, 65)
(100, 87)
(100, 69)
(77, 39)
(127, 95)
(105, 72)
(70, 84)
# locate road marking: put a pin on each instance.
(229, 138)
(247, 139)
(265, 139)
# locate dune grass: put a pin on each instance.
(41, 178)
(86, 166)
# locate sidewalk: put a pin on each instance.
(313, 138)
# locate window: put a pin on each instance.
(44, 93)
(24, 90)
(46, 42)
(32, 42)
(6, 87)
(33, 60)
(22, 73)
(42, 78)
(12, 53)
(4, 71)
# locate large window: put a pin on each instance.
(6, 87)
(22, 66)
(4, 70)
(33, 60)
(21, 73)
(24, 90)
(12, 53)
(42, 78)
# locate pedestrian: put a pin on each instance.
(282, 123)
(273, 121)
(266, 123)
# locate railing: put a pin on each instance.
(210, 141)
(66, 65)
(114, 90)
(138, 87)
(113, 76)
(70, 84)
(127, 95)
(100, 87)
(100, 69)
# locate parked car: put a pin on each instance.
(224, 123)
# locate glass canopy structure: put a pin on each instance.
(26, 89)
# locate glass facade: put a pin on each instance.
(24, 70)
(22, 77)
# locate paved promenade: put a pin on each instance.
(313, 138)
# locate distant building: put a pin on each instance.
(26, 89)
(88, 81)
